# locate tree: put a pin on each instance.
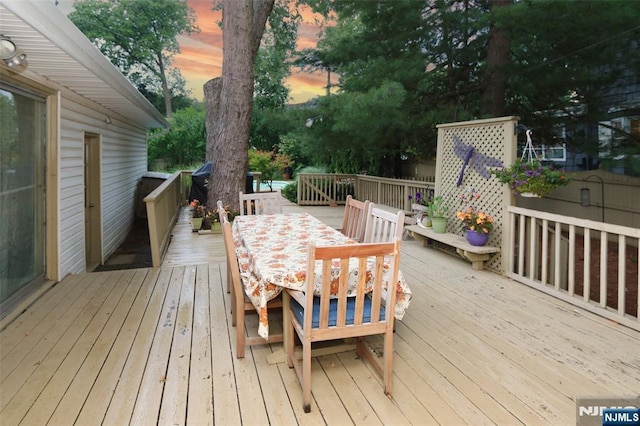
(570, 65)
(271, 66)
(377, 116)
(548, 62)
(184, 143)
(229, 99)
(138, 36)
(493, 95)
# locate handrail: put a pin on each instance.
(392, 192)
(331, 189)
(541, 246)
(163, 207)
(324, 189)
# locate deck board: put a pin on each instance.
(156, 346)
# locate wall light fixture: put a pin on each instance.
(11, 54)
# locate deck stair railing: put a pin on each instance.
(597, 262)
(163, 207)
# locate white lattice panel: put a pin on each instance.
(487, 144)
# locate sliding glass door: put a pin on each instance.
(22, 191)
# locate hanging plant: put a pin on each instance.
(532, 177)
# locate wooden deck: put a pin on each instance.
(155, 346)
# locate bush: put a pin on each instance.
(271, 165)
(290, 192)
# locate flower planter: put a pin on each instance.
(476, 238)
(439, 224)
(216, 228)
(532, 177)
(196, 223)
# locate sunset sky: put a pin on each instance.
(201, 54)
(200, 58)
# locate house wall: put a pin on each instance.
(123, 162)
(621, 196)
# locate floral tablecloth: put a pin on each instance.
(272, 251)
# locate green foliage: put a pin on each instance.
(138, 36)
(290, 192)
(268, 127)
(271, 65)
(562, 55)
(184, 143)
(436, 207)
(532, 177)
(269, 164)
(180, 97)
(313, 169)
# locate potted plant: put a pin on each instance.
(212, 220)
(476, 223)
(531, 178)
(197, 214)
(437, 211)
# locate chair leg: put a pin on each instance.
(306, 376)
(388, 363)
(287, 329)
(234, 308)
(239, 315)
(240, 335)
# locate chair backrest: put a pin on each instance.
(232, 257)
(355, 217)
(382, 225)
(261, 203)
(222, 213)
(373, 306)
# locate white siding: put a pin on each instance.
(124, 161)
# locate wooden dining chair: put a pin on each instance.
(261, 203)
(224, 217)
(240, 302)
(321, 318)
(382, 225)
(355, 217)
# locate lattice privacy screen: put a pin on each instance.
(483, 145)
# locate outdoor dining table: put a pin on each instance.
(273, 254)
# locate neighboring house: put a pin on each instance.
(72, 151)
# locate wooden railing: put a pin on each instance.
(163, 207)
(590, 264)
(322, 189)
(392, 192)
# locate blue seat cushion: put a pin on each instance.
(298, 311)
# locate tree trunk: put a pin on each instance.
(165, 87)
(229, 99)
(212, 91)
(492, 102)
